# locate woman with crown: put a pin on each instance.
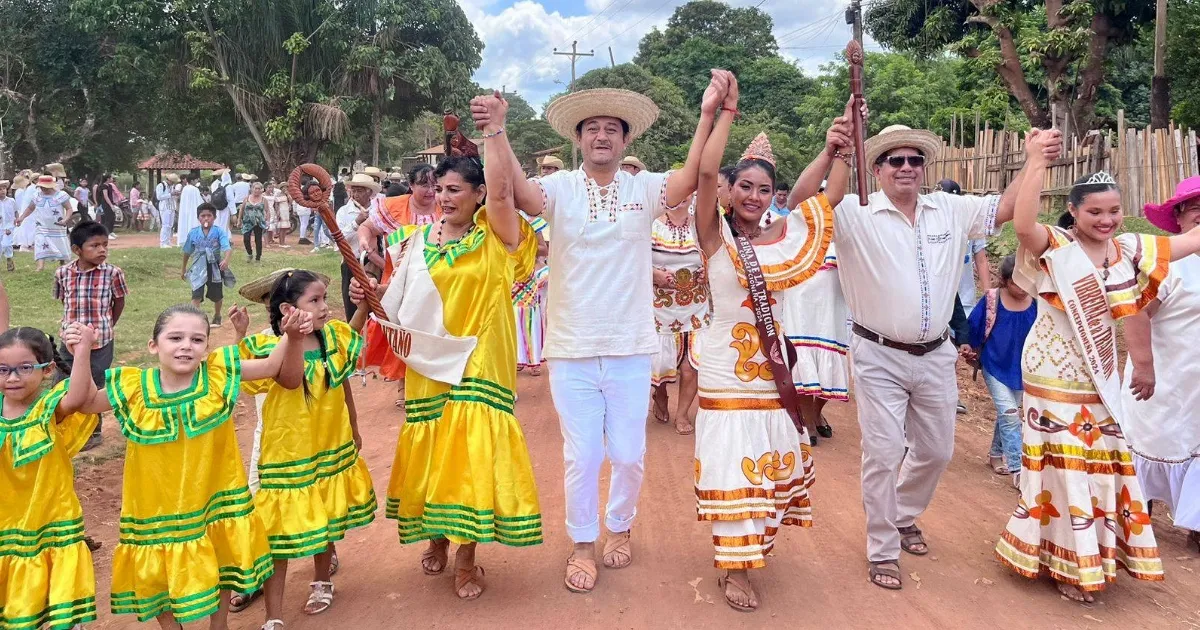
(753, 463)
(1081, 514)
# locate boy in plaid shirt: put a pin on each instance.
(93, 293)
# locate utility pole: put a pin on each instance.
(854, 18)
(574, 55)
(612, 63)
(1160, 93)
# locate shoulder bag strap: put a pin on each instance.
(768, 334)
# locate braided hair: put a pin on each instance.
(287, 290)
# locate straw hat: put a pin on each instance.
(47, 181)
(363, 180)
(566, 112)
(551, 161)
(173, 178)
(219, 172)
(396, 176)
(374, 172)
(20, 181)
(902, 136)
(633, 161)
(260, 290)
(56, 169)
(4, 183)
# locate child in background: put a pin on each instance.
(51, 210)
(189, 533)
(314, 486)
(46, 575)
(998, 327)
(8, 223)
(206, 253)
(92, 293)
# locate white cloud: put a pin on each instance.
(519, 38)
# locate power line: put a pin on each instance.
(541, 61)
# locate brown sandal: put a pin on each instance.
(910, 537)
(464, 577)
(575, 566)
(618, 553)
(880, 569)
(441, 554)
(724, 582)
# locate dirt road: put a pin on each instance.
(816, 578)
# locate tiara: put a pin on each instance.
(1099, 177)
(760, 149)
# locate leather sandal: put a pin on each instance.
(464, 577)
(575, 566)
(618, 552)
(724, 583)
(880, 569)
(910, 537)
(320, 598)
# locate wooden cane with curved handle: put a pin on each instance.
(854, 56)
(316, 196)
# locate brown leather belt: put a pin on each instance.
(915, 349)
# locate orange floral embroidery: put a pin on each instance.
(1085, 426)
(769, 465)
(747, 345)
(697, 470)
(1130, 514)
(1044, 510)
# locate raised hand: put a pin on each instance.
(1054, 144)
(840, 136)
(77, 335)
(731, 95)
(296, 322)
(715, 93)
(240, 318)
(357, 295)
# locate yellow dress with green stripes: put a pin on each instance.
(46, 577)
(188, 526)
(462, 468)
(314, 486)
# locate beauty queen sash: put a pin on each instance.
(1086, 303)
(414, 329)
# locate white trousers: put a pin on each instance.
(905, 403)
(305, 219)
(601, 404)
(256, 450)
(168, 227)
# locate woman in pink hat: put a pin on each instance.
(1160, 420)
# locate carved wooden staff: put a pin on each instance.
(854, 55)
(316, 196)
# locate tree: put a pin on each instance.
(667, 140)
(704, 34)
(1183, 31)
(1050, 52)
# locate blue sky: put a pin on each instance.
(519, 36)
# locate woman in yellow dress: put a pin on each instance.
(46, 578)
(462, 472)
(314, 486)
(189, 533)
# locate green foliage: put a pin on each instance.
(1183, 66)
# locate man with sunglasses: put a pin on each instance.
(900, 258)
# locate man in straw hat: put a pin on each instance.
(632, 165)
(168, 206)
(550, 165)
(600, 336)
(900, 258)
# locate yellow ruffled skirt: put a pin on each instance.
(462, 469)
(306, 505)
(185, 578)
(55, 588)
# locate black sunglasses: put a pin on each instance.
(897, 161)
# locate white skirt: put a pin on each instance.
(664, 366)
(1177, 485)
(51, 246)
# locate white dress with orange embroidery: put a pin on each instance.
(679, 312)
(753, 468)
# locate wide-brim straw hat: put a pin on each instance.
(362, 180)
(1164, 215)
(566, 112)
(47, 181)
(552, 161)
(56, 169)
(374, 172)
(632, 161)
(902, 136)
(260, 290)
(4, 183)
(395, 176)
(173, 178)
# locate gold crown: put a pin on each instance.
(760, 149)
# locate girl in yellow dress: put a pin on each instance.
(462, 472)
(314, 486)
(189, 533)
(46, 578)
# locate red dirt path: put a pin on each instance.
(815, 578)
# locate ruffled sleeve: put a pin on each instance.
(343, 346)
(800, 252)
(1144, 264)
(148, 415)
(1031, 272)
(35, 433)
(257, 347)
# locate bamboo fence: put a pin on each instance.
(1147, 163)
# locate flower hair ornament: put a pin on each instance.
(759, 149)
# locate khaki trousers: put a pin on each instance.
(906, 410)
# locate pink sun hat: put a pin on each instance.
(1163, 215)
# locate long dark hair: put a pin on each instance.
(287, 290)
(1079, 192)
(38, 342)
(736, 174)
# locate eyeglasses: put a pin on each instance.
(897, 161)
(23, 370)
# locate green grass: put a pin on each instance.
(152, 275)
(1005, 242)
